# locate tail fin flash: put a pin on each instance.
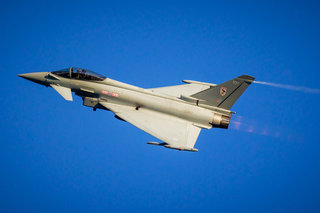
(226, 94)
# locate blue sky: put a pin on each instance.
(59, 156)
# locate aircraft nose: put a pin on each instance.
(37, 77)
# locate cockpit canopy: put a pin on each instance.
(79, 74)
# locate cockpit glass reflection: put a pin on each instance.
(79, 74)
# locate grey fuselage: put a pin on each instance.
(116, 92)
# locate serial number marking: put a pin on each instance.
(113, 94)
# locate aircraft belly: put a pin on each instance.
(176, 108)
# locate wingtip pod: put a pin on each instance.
(173, 147)
(181, 148)
(157, 144)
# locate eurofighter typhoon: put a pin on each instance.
(174, 114)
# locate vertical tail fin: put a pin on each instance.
(226, 94)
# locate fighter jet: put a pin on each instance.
(173, 114)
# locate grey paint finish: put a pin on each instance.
(174, 114)
(226, 94)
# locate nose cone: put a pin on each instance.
(37, 77)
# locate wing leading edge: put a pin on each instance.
(183, 89)
(175, 132)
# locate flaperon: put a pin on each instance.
(174, 114)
